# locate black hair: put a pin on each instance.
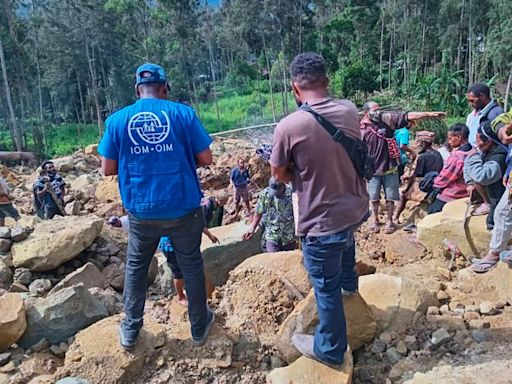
(479, 89)
(45, 163)
(486, 133)
(308, 69)
(459, 129)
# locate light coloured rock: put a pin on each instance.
(220, 259)
(487, 308)
(40, 286)
(61, 315)
(107, 190)
(5, 233)
(81, 182)
(64, 164)
(308, 371)
(91, 149)
(449, 224)
(394, 300)
(440, 337)
(89, 275)
(56, 241)
(112, 300)
(361, 327)
(12, 319)
(73, 208)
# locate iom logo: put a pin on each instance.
(146, 126)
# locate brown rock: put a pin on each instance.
(12, 319)
(361, 327)
(308, 371)
(91, 149)
(89, 275)
(107, 190)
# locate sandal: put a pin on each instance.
(506, 257)
(389, 229)
(375, 227)
(485, 265)
(481, 210)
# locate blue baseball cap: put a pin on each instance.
(150, 73)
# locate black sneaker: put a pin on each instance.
(198, 341)
(126, 344)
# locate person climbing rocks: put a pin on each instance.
(49, 190)
(450, 181)
(7, 208)
(331, 201)
(155, 146)
(213, 209)
(240, 180)
(275, 207)
(484, 170)
(377, 129)
(429, 160)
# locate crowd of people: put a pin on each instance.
(316, 198)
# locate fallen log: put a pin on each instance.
(17, 156)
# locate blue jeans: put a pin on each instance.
(330, 262)
(144, 235)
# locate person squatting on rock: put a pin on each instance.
(428, 161)
(377, 129)
(213, 209)
(275, 207)
(240, 180)
(6, 207)
(155, 145)
(484, 170)
(450, 181)
(49, 190)
(332, 201)
(484, 109)
(502, 230)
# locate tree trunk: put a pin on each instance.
(381, 49)
(15, 129)
(17, 156)
(269, 80)
(94, 86)
(81, 95)
(507, 91)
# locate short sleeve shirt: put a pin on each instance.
(331, 196)
(402, 138)
(429, 161)
(277, 216)
(57, 183)
(240, 178)
(155, 143)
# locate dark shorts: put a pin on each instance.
(241, 193)
(8, 210)
(271, 246)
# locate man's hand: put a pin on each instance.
(472, 152)
(412, 116)
(214, 239)
(248, 235)
(470, 189)
(505, 134)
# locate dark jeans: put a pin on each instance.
(436, 206)
(144, 235)
(330, 262)
(173, 264)
(51, 211)
(270, 246)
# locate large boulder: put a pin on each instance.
(81, 182)
(64, 164)
(449, 224)
(361, 327)
(107, 190)
(232, 250)
(491, 286)
(61, 315)
(89, 275)
(97, 357)
(308, 371)
(12, 319)
(56, 241)
(395, 300)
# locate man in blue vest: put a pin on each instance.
(154, 146)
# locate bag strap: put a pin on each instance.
(337, 134)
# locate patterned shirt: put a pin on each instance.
(58, 185)
(277, 216)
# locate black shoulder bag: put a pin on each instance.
(355, 148)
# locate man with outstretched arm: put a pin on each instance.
(154, 146)
(332, 201)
